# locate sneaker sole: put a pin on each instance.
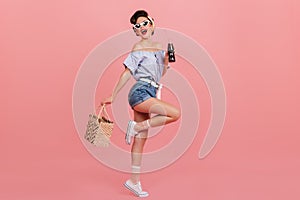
(134, 192)
(128, 136)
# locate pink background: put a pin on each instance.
(256, 47)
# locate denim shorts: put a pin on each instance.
(140, 92)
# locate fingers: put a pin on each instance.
(106, 101)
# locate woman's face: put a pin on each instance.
(143, 27)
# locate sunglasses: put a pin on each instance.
(144, 23)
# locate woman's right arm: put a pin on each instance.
(124, 77)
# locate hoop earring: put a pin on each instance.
(135, 32)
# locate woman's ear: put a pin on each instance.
(151, 20)
(153, 24)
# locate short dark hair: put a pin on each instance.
(137, 14)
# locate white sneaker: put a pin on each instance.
(136, 189)
(130, 131)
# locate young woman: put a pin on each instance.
(147, 63)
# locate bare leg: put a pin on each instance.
(137, 147)
(166, 113)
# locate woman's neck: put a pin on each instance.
(146, 41)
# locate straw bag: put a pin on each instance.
(99, 128)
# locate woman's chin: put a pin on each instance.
(145, 37)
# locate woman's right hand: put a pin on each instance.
(108, 100)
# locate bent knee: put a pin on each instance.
(176, 115)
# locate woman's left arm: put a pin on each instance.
(166, 63)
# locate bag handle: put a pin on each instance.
(103, 110)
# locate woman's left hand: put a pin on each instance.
(108, 100)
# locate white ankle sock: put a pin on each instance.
(135, 169)
(143, 126)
